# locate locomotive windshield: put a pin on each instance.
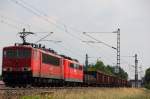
(19, 53)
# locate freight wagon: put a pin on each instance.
(98, 78)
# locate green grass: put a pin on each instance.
(95, 93)
(30, 97)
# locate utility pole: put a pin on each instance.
(136, 71)
(117, 69)
(118, 51)
(86, 61)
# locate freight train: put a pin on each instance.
(31, 64)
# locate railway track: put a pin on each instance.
(11, 92)
(8, 93)
(44, 88)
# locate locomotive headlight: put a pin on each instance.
(4, 69)
(7, 69)
(26, 69)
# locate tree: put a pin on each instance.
(107, 69)
(147, 78)
(100, 65)
(122, 74)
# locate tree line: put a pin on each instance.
(107, 69)
(147, 78)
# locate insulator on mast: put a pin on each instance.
(23, 36)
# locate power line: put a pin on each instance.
(44, 14)
(98, 40)
(44, 37)
(64, 27)
(44, 18)
(8, 24)
(116, 48)
(18, 22)
(37, 13)
(30, 10)
(12, 20)
(98, 49)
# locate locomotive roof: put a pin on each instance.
(17, 47)
(44, 50)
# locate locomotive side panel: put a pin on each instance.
(73, 71)
(36, 63)
(51, 66)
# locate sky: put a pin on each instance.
(68, 19)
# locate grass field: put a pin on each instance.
(95, 93)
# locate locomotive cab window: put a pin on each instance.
(21, 53)
(24, 53)
(48, 59)
(75, 66)
(71, 65)
(10, 53)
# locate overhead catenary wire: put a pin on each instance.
(63, 47)
(44, 14)
(44, 18)
(12, 20)
(44, 37)
(99, 40)
(98, 49)
(31, 10)
(34, 11)
(38, 13)
(16, 21)
(9, 24)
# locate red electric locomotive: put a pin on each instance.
(26, 64)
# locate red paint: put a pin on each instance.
(40, 69)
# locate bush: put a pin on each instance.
(147, 86)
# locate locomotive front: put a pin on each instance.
(16, 65)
